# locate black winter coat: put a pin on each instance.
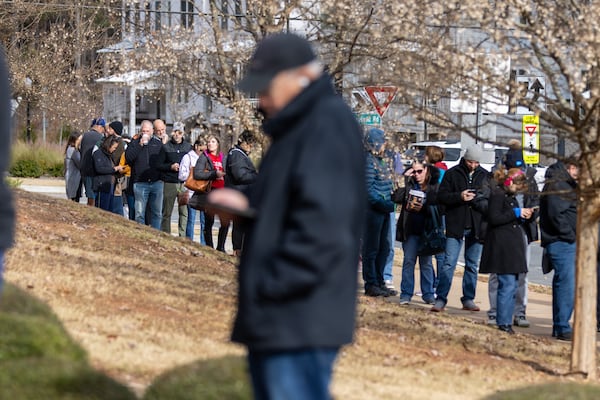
(297, 274)
(239, 170)
(460, 214)
(401, 196)
(171, 153)
(7, 210)
(104, 178)
(505, 243)
(558, 206)
(144, 159)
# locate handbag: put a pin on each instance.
(197, 185)
(433, 239)
(198, 200)
(183, 198)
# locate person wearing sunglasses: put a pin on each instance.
(418, 193)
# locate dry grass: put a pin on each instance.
(142, 302)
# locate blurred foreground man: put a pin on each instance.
(7, 211)
(304, 217)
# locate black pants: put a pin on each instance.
(209, 220)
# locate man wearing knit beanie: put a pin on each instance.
(117, 127)
(463, 223)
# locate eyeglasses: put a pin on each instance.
(418, 171)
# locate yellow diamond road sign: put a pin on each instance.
(531, 139)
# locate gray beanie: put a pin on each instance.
(473, 153)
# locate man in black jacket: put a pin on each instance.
(142, 156)
(7, 211)
(169, 158)
(298, 270)
(463, 222)
(558, 223)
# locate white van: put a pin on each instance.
(453, 152)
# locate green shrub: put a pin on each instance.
(26, 168)
(224, 378)
(551, 391)
(57, 379)
(33, 160)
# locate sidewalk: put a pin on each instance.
(539, 305)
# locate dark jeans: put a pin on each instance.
(562, 257)
(375, 247)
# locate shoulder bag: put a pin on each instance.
(433, 238)
(197, 185)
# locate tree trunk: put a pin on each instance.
(583, 356)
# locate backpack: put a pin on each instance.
(87, 163)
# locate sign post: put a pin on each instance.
(531, 139)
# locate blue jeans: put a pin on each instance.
(472, 256)
(148, 193)
(117, 206)
(375, 247)
(562, 257)
(407, 286)
(104, 200)
(131, 206)
(520, 295)
(389, 264)
(88, 184)
(507, 286)
(292, 375)
(189, 228)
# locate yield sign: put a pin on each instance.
(530, 129)
(381, 97)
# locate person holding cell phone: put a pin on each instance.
(528, 197)
(505, 247)
(463, 224)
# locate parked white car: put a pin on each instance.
(453, 152)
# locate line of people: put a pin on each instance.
(494, 215)
(146, 174)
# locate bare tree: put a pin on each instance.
(51, 52)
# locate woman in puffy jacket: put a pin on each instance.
(377, 239)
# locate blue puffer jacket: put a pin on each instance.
(378, 174)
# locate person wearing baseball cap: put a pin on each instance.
(303, 221)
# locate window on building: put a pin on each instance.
(224, 14)
(157, 16)
(238, 11)
(187, 14)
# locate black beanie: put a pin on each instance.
(117, 127)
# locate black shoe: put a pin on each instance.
(375, 291)
(566, 336)
(390, 292)
(506, 328)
